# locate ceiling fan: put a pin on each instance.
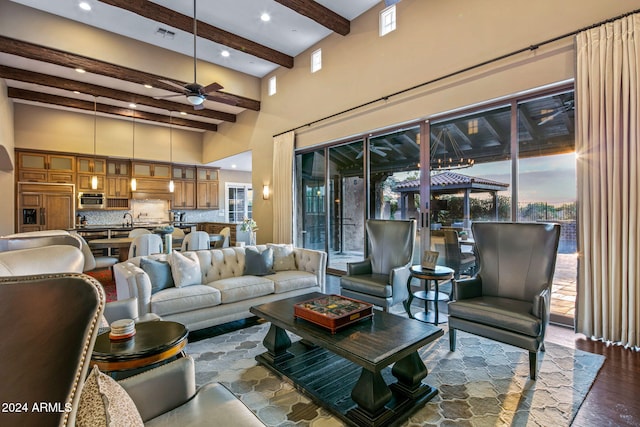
(380, 151)
(195, 92)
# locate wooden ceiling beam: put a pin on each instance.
(320, 14)
(182, 22)
(101, 91)
(70, 60)
(79, 104)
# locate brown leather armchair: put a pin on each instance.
(509, 298)
(381, 279)
(49, 325)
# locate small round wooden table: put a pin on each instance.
(154, 343)
(427, 295)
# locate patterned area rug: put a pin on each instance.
(482, 383)
(108, 284)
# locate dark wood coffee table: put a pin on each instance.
(348, 372)
(153, 344)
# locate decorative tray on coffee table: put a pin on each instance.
(333, 311)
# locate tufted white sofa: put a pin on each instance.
(225, 293)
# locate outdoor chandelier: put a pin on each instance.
(446, 153)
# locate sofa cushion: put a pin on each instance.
(292, 280)
(180, 300)
(241, 288)
(103, 402)
(283, 257)
(185, 269)
(257, 263)
(159, 273)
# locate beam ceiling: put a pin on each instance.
(70, 60)
(320, 14)
(101, 91)
(79, 104)
(182, 22)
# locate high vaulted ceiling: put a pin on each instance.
(45, 74)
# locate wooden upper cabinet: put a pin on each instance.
(183, 172)
(207, 174)
(151, 170)
(207, 197)
(46, 167)
(87, 167)
(184, 194)
(118, 167)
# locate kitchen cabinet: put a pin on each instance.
(207, 197)
(184, 194)
(46, 167)
(86, 168)
(207, 188)
(118, 167)
(118, 187)
(43, 206)
(150, 170)
(118, 183)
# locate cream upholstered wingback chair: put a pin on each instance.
(509, 298)
(145, 244)
(195, 241)
(381, 279)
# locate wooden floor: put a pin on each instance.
(614, 398)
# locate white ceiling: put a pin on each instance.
(287, 32)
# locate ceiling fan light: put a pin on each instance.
(195, 99)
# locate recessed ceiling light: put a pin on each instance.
(76, 92)
(132, 105)
(148, 86)
(233, 166)
(225, 53)
(184, 113)
(80, 70)
(265, 17)
(84, 6)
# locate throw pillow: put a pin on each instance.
(159, 273)
(185, 269)
(256, 263)
(103, 402)
(283, 258)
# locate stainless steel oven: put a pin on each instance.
(91, 200)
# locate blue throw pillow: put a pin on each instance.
(258, 263)
(159, 273)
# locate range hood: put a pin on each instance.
(151, 195)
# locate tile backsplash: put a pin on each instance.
(109, 217)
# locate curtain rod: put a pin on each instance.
(461, 71)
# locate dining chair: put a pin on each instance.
(226, 233)
(454, 258)
(145, 244)
(139, 232)
(92, 262)
(195, 241)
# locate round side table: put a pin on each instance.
(427, 295)
(154, 343)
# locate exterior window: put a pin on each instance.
(387, 20)
(316, 61)
(239, 202)
(272, 86)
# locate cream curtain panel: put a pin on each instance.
(283, 187)
(607, 139)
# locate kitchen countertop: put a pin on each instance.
(120, 227)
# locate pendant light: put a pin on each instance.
(133, 180)
(94, 178)
(171, 184)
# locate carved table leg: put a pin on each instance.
(410, 371)
(371, 393)
(276, 342)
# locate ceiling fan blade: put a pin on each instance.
(168, 96)
(170, 83)
(198, 107)
(212, 87)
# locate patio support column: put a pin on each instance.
(467, 210)
(495, 203)
(410, 207)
